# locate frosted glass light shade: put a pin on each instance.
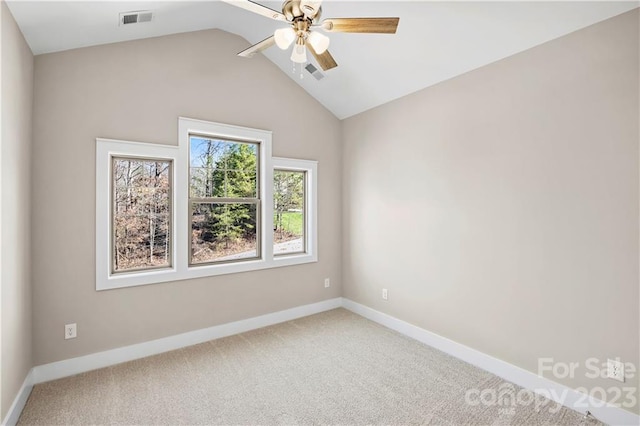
(284, 37)
(299, 54)
(320, 42)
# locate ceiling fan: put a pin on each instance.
(303, 17)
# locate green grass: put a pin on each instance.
(292, 222)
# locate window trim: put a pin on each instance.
(187, 127)
(180, 247)
(106, 150)
(310, 168)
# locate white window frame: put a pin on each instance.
(187, 127)
(310, 210)
(106, 149)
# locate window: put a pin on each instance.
(217, 203)
(289, 212)
(141, 216)
(224, 200)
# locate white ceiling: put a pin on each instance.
(435, 40)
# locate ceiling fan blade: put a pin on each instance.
(258, 47)
(361, 25)
(325, 60)
(257, 8)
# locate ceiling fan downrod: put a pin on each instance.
(306, 9)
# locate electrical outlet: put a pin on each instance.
(385, 294)
(615, 370)
(70, 331)
(327, 283)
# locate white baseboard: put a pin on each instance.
(561, 394)
(69, 367)
(21, 399)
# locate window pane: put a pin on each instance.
(141, 214)
(288, 212)
(223, 168)
(223, 232)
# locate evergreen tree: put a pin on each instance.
(234, 176)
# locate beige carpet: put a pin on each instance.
(331, 368)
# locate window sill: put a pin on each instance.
(123, 279)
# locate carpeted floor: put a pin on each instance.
(331, 368)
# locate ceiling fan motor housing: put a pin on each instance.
(296, 9)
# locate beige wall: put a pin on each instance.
(136, 91)
(500, 208)
(15, 178)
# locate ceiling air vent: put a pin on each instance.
(140, 16)
(314, 72)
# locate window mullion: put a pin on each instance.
(224, 200)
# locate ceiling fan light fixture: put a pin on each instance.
(299, 53)
(319, 42)
(303, 16)
(284, 37)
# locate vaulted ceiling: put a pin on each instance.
(435, 40)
